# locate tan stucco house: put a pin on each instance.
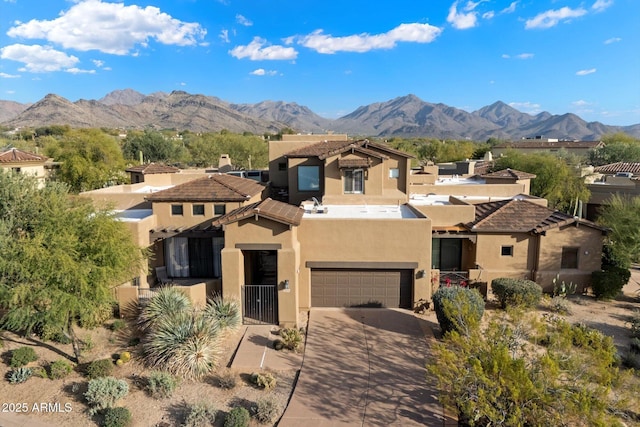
(347, 223)
(25, 162)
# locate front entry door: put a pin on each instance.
(260, 292)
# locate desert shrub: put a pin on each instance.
(227, 379)
(161, 384)
(267, 410)
(237, 417)
(23, 356)
(166, 303)
(100, 368)
(278, 344)
(560, 305)
(20, 375)
(200, 415)
(608, 283)
(264, 380)
(118, 325)
(59, 369)
(291, 337)
(224, 311)
(103, 393)
(117, 417)
(516, 292)
(185, 345)
(458, 308)
(635, 324)
(40, 372)
(125, 356)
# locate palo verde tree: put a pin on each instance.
(60, 258)
(622, 216)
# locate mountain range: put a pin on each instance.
(405, 116)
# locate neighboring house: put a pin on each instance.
(137, 173)
(359, 229)
(622, 178)
(25, 162)
(547, 145)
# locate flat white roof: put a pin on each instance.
(151, 188)
(359, 212)
(459, 181)
(133, 215)
(439, 199)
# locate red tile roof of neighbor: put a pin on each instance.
(268, 208)
(13, 155)
(324, 149)
(213, 188)
(509, 174)
(520, 216)
(614, 168)
(152, 168)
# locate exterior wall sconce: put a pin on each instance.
(285, 285)
(420, 274)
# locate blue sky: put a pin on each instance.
(332, 56)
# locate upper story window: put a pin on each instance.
(308, 178)
(394, 173)
(569, 258)
(282, 166)
(354, 181)
(198, 210)
(176, 210)
(219, 209)
(506, 251)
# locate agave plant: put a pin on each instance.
(226, 312)
(166, 303)
(185, 344)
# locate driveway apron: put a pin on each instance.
(364, 367)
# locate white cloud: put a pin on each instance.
(581, 103)
(9, 76)
(585, 72)
(257, 51)
(224, 35)
(38, 59)
(79, 71)
(263, 72)
(518, 56)
(488, 15)
(551, 18)
(462, 21)
(98, 63)
(510, 9)
(110, 27)
(415, 33)
(527, 107)
(612, 40)
(601, 5)
(243, 21)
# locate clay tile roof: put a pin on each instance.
(614, 168)
(324, 149)
(214, 188)
(14, 155)
(520, 216)
(268, 208)
(152, 168)
(509, 174)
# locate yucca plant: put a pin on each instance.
(185, 345)
(225, 311)
(167, 302)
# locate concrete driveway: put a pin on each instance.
(364, 367)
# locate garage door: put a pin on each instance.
(350, 288)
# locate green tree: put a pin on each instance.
(89, 159)
(619, 147)
(622, 216)
(60, 258)
(155, 146)
(555, 180)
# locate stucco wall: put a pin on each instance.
(492, 264)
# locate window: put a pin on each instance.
(282, 167)
(219, 209)
(15, 170)
(198, 210)
(354, 181)
(506, 251)
(308, 178)
(394, 173)
(569, 258)
(176, 209)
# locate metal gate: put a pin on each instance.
(260, 305)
